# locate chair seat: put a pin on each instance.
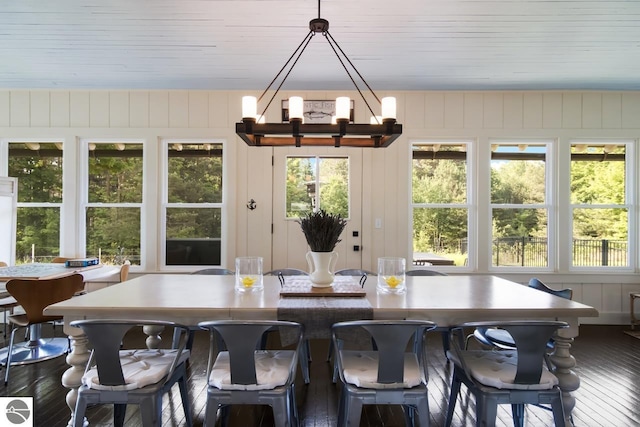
(361, 369)
(8, 302)
(272, 370)
(498, 369)
(140, 368)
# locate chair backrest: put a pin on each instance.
(34, 295)
(286, 272)
(3, 264)
(354, 272)
(530, 337)
(106, 337)
(391, 338)
(124, 271)
(424, 273)
(214, 272)
(60, 259)
(563, 293)
(241, 338)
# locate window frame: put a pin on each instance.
(550, 204)
(632, 205)
(164, 203)
(470, 205)
(83, 195)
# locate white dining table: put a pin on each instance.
(446, 300)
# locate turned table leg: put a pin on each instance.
(77, 360)
(563, 363)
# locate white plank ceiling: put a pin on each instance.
(399, 44)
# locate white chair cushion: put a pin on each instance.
(140, 368)
(272, 370)
(361, 369)
(498, 369)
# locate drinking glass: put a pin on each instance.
(249, 274)
(391, 275)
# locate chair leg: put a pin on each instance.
(423, 411)
(558, 412)
(303, 359)
(184, 394)
(517, 412)
(148, 412)
(293, 407)
(353, 411)
(78, 413)
(489, 412)
(211, 412)
(9, 354)
(453, 397)
(281, 414)
(119, 411)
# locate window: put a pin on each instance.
(440, 204)
(317, 183)
(193, 203)
(519, 204)
(113, 201)
(599, 206)
(38, 167)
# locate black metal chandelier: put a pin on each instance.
(381, 131)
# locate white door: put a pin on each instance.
(297, 173)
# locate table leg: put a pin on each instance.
(153, 339)
(569, 381)
(77, 359)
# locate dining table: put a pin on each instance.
(446, 300)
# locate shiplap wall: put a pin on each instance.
(478, 116)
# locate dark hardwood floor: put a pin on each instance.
(608, 363)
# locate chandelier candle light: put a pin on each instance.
(381, 131)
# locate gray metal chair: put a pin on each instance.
(247, 375)
(387, 374)
(113, 376)
(515, 377)
(499, 338)
(286, 272)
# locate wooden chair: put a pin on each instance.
(34, 296)
(114, 376)
(61, 259)
(124, 271)
(3, 264)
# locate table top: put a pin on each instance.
(447, 300)
(39, 270)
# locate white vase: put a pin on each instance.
(321, 265)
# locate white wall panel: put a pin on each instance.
(158, 109)
(551, 110)
(178, 109)
(414, 110)
(434, 110)
(611, 110)
(20, 108)
(571, 110)
(99, 109)
(219, 109)
(513, 104)
(473, 111)
(591, 111)
(79, 109)
(60, 108)
(630, 110)
(532, 110)
(454, 110)
(39, 108)
(5, 108)
(493, 111)
(139, 110)
(119, 105)
(198, 109)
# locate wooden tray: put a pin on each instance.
(303, 288)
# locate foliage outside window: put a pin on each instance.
(317, 183)
(38, 167)
(519, 208)
(114, 201)
(193, 203)
(600, 214)
(440, 203)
